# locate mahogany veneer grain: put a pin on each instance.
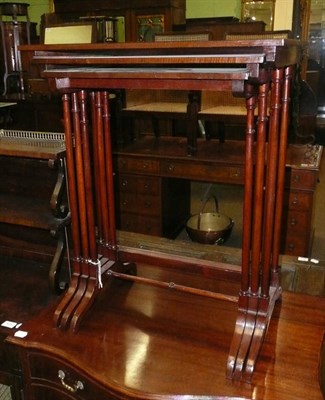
(145, 342)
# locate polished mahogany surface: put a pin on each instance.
(150, 343)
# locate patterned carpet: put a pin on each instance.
(5, 392)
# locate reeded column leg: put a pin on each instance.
(91, 197)
(264, 186)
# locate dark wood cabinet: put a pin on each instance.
(33, 202)
(297, 230)
(170, 13)
(148, 203)
(10, 374)
(52, 378)
(219, 27)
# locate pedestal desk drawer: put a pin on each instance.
(139, 184)
(297, 233)
(296, 245)
(298, 222)
(302, 179)
(54, 379)
(141, 224)
(140, 204)
(208, 172)
(138, 165)
(300, 201)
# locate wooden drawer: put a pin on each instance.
(299, 200)
(298, 222)
(297, 233)
(52, 393)
(152, 205)
(46, 383)
(140, 204)
(141, 224)
(207, 172)
(301, 179)
(139, 184)
(296, 245)
(138, 165)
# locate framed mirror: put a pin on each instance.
(259, 11)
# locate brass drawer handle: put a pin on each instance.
(295, 201)
(171, 167)
(293, 221)
(297, 178)
(73, 389)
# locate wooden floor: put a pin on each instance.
(24, 289)
(24, 292)
(146, 342)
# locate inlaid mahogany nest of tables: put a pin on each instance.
(258, 70)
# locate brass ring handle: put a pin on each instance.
(77, 386)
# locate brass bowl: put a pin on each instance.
(209, 228)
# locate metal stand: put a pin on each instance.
(106, 27)
(12, 36)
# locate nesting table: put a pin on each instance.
(258, 70)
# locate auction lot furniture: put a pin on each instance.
(256, 69)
